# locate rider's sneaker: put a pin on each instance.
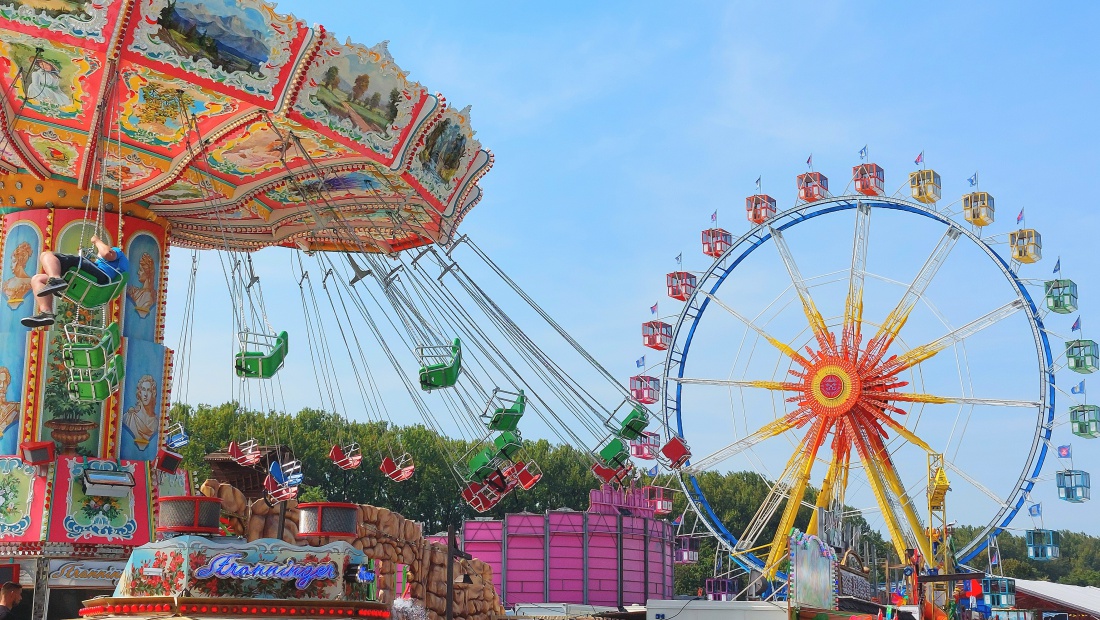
(53, 286)
(42, 319)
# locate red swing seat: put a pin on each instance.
(346, 457)
(398, 470)
(278, 493)
(245, 453)
(480, 497)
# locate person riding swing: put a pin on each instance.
(108, 267)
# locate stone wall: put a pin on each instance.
(386, 537)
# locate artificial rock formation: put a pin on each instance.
(384, 536)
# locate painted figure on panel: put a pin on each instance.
(141, 418)
(443, 150)
(9, 410)
(19, 284)
(144, 294)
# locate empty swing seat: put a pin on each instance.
(176, 437)
(1061, 296)
(287, 474)
(96, 384)
(527, 475)
(507, 444)
(479, 497)
(610, 475)
(439, 365)
(86, 292)
(261, 364)
(615, 454)
(346, 457)
(634, 424)
(399, 469)
(90, 347)
(276, 492)
(245, 453)
(507, 418)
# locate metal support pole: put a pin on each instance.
(546, 558)
(450, 572)
(620, 571)
(645, 559)
(282, 519)
(584, 554)
(41, 589)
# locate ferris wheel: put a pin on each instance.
(878, 383)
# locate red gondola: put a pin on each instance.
(759, 208)
(656, 335)
(660, 499)
(646, 446)
(870, 179)
(681, 285)
(645, 389)
(812, 186)
(716, 241)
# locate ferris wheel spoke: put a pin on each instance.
(778, 386)
(805, 456)
(835, 482)
(898, 427)
(769, 430)
(775, 342)
(889, 472)
(776, 494)
(919, 354)
(876, 481)
(890, 328)
(947, 400)
(981, 487)
(813, 315)
(853, 306)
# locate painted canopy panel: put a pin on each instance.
(233, 121)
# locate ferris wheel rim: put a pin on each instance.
(757, 236)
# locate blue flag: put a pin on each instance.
(1078, 389)
(1076, 325)
(758, 184)
(1064, 452)
(973, 180)
(641, 362)
(680, 258)
(652, 471)
(810, 160)
(863, 153)
(1058, 265)
(1035, 510)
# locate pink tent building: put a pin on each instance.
(617, 553)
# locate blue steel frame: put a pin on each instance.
(712, 279)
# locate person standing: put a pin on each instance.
(11, 594)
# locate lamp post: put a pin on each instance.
(452, 552)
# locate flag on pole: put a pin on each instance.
(758, 184)
(1035, 510)
(920, 159)
(680, 519)
(973, 180)
(653, 309)
(1020, 217)
(1078, 389)
(1058, 265)
(652, 471)
(863, 153)
(810, 160)
(714, 217)
(641, 362)
(1076, 325)
(1064, 452)
(994, 557)
(680, 258)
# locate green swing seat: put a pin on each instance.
(507, 418)
(615, 454)
(260, 364)
(482, 465)
(445, 367)
(507, 445)
(92, 385)
(634, 424)
(86, 292)
(90, 347)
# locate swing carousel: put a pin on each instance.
(213, 125)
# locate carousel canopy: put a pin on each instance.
(238, 126)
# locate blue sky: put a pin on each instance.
(618, 128)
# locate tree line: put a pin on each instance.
(432, 496)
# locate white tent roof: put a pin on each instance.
(1083, 598)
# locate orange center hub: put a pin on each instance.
(834, 385)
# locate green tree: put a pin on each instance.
(332, 78)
